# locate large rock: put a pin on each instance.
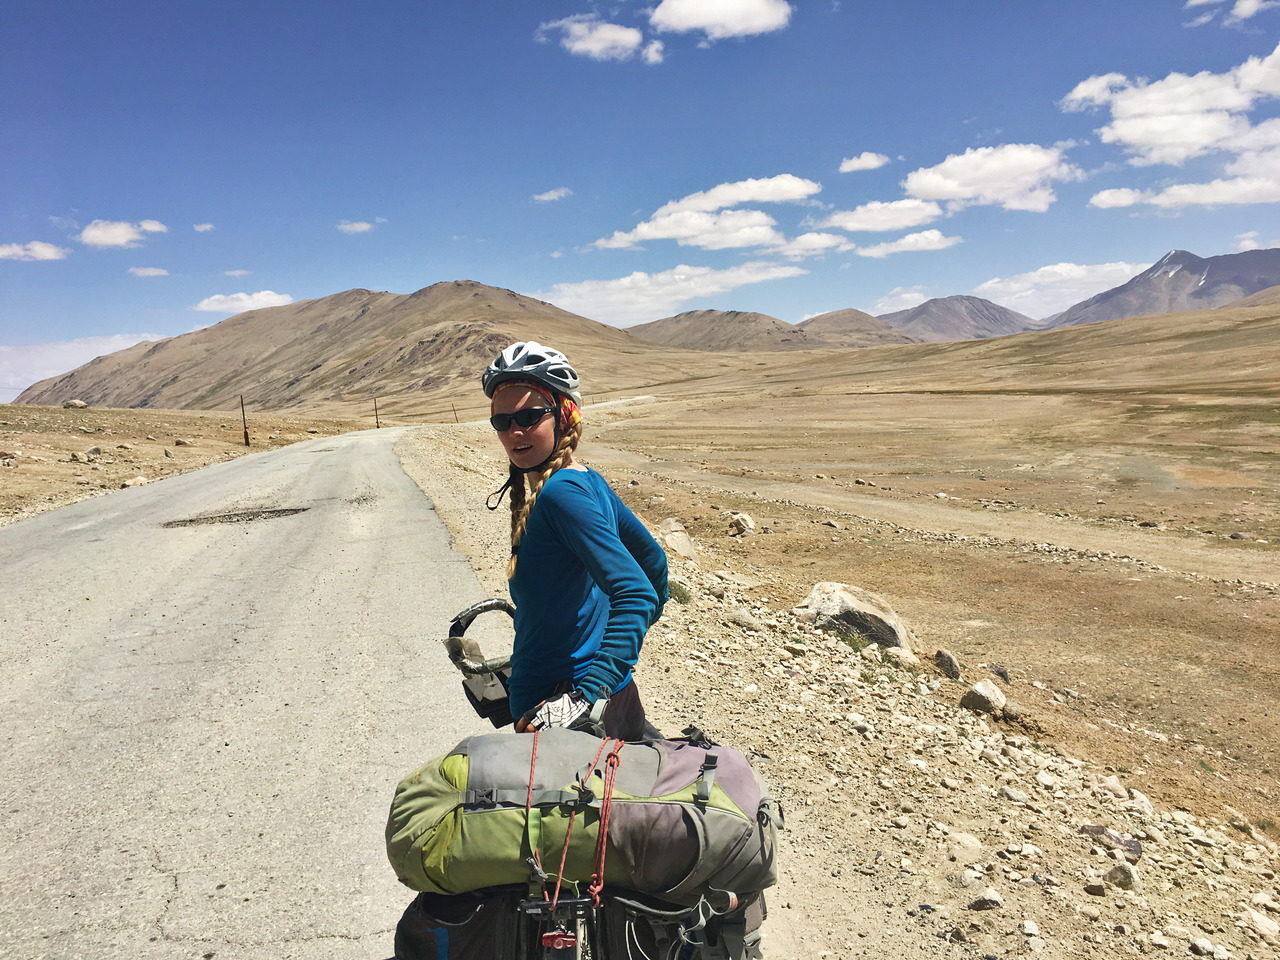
(676, 539)
(74, 404)
(842, 608)
(984, 697)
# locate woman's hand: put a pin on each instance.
(569, 710)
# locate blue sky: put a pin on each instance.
(168, 164)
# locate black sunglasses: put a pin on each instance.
(522, 418)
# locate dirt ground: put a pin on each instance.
(37, 472)
(1081, 541)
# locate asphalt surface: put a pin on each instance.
(201, 726)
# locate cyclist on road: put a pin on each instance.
(586, 577)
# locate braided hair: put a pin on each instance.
(522, 501)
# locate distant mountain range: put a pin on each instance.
(958, 318)
(429, 346)
(724, 330)
(853, 328)
(736, 330)
(351, 345)
(1177, 282)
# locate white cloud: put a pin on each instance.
(720, 19)
(911, 243)
(899, 298)
(695, 228)
(863, 161)
(118, 233)
(1118, 197)
(891, 215)
(1180, 116)
(202, 227)
(1051, 289)
(780, 189)
(701, 220)
(1247, 241)
(641, 296)
(22, 366)
(240, 302)
(149, 271)
(559, 193)
(653, 52)
(586, 35)
(355, 226)
(1016, 176)
(812, 245)
(35, 250)
(237, 273)
(1245, 9)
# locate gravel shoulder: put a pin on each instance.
(914, 827)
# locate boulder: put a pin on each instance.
(984, 697)
(844, 609)
(947, 663)
(135, 482)
(741, 525)
(673, 535)
(74, 404)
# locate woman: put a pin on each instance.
(586, 577)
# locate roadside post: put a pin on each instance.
(376, 422)
(244, 420)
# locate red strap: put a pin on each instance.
(606, 805)
(564, 852)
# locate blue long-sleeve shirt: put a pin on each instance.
(589, 582)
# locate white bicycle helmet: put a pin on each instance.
(532, 361)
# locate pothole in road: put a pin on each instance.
(240, 516)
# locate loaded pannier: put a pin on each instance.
(687, 821)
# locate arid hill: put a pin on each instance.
(726, 330)
(1227, 349)
(1263, 298)
(1180, 281)
(958, 318)
(339, 351)
(853, 328)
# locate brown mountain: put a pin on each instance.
(853, 328)
(958, 318)
(349, 347)
(724, 330)
(1177, 282)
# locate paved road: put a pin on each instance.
(201, 726)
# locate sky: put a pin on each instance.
(167, 165)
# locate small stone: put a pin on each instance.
(183, 443)
(1123, 875)
(1238, 535)
(168, 453)
(1090, 912)
(1202, 947)
(741, 525)
(135, 482)
(1158, 939)
(988, 899)
(1028, 928)
(1013, 794)
(743, 618)
(1096, 888)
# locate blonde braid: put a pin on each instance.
(521, 504)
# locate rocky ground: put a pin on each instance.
(915, 826)
(51, 456)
